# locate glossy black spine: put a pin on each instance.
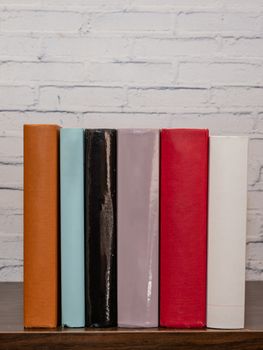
(100, 228)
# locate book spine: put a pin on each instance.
(41, 225)
(227, 231)
(72, 227)
(100, 228)
(184, 177)
(138, 228)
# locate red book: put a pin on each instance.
(183, 237)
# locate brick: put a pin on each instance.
(97, 4)
(243, 47)
(15, 97)
(255, 147)
(259, 124)
(131, 22)
(244, 5)
(41, 21)
(254, 270)
(81, 98)
(238, 97)
(11, 246)
(161, 47)
(240, 22)
(77, 48)
(220, 73)
(14, 146)
(214, 22)
(188, 4)
(163, 99)
(11, 174)
(11, 222)
(255, 200)
(126, 120)
(128, 72)
(254, 250)
(20, 2)
(45, 71)
(255, 175)
(18, 46)
(255, 224)
(11, 258)
(10, 199)
(199, 22)
(11, 271)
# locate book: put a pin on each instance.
(183, 225)
(41, 225)
(100, 228)
(138, 227)
(227, 231)
(72, 227)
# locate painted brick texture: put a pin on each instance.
(129, 63)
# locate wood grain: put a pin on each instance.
(14, 337)
(133, 340)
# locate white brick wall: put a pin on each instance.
(129, 63)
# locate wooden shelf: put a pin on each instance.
(14, 337)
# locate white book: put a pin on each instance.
(227, 215)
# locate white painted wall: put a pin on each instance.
(129, 63)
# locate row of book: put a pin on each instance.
(97, 252)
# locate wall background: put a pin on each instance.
(128, 63)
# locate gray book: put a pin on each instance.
(138, 227)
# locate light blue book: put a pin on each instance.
(72, 227)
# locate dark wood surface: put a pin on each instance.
(14, 337)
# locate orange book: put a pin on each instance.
(41, 225)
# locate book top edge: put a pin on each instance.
(185, 129)
(138, 131)
(101, 130)
(65, 130)
(42, 126)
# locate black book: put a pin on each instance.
(100, 228)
